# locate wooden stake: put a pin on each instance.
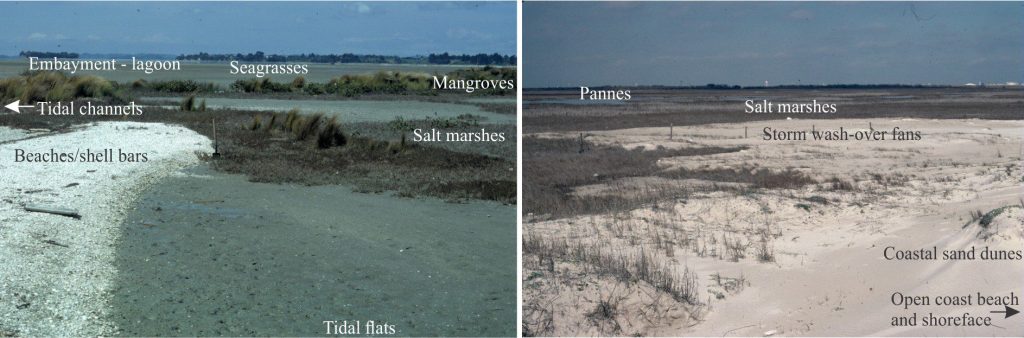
(216, 152)
(581, 143)
(53, 210)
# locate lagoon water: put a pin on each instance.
(359, 110)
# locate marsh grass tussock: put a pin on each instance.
(188, 103)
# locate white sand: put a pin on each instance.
(11, 134)
(51, 290)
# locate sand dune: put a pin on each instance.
(827, 274)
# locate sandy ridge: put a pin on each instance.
(57, 272)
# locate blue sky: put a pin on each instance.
(392, 28)
(695, 43)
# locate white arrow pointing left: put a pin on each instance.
(16, 105)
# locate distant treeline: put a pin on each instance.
(808, 86)
(736, 87)
(62, 55)
(438, 59)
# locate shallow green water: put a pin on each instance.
(360, 110)
(213, 254)
(500, 100)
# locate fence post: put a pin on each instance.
(216, 150)
(581, 142)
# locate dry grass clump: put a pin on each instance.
(890, 180)
(536, 315)
(730, 284)
(838, 184)
(735, 248)
(331, 135)
(298, 82)
(681, 286)
(604, 314)
(306, 126)
(188, 103)
(764, 250)
(32, 87)
(328, 131)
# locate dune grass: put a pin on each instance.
(32, 87)
(683, 285)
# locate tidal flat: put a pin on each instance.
(211, 254)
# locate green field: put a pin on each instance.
(219, 73)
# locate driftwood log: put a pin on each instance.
(53, 210)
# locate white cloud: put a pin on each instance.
(463, 33)
(801, 14)
(360, 8)
(36, 36)
(363, 8)
(156, 38)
